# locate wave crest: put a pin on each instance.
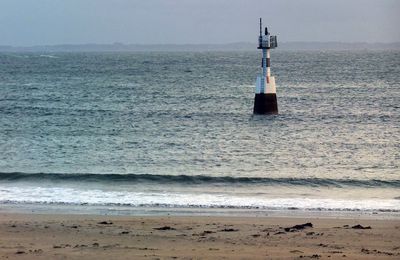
(195, 179)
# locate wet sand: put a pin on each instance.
(46, 236)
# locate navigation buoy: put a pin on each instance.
(265, 101)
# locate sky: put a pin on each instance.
(49, 22)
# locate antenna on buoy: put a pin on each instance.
(265, 101)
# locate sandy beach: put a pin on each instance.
(47, 236)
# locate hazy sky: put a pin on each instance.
(38, 22)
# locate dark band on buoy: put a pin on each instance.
(265, 104)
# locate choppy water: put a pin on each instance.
(176, 130)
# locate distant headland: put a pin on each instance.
(238, 46)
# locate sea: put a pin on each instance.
(174, 132)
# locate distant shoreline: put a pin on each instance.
(240, 46)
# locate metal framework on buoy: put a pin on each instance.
(265, 101)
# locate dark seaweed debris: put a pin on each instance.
(360, 227)
(105, 223)
(298, 227)
(229, 230)
(165, 228)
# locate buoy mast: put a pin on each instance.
(265, 101)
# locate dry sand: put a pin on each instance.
(35, 236)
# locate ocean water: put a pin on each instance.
(175, 130)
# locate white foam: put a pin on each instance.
(48, 56)
(68, 195)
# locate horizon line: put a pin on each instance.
(191, 44)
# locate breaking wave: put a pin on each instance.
(195, 179)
